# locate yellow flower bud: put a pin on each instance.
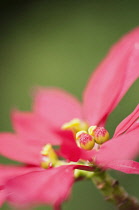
(86, 141)
(75, 125)
(49, 152)
(91, 130)
(78, 134)
(49, 157)
(101, 135)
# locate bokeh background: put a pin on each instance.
(59, 43)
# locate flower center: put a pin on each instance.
(87, 137)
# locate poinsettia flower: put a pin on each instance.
(53, 110)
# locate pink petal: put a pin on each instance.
(127, 122)
(8, 172)
(134, 126)
(126, 166)
(56, 106)
(123, 147)
(16, 148)
(33, 127)
(69, 149)
(51, 186)
(2, 196)
(112, 79)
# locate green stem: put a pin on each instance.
(57, 207)
(113, 192)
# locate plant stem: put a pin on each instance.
(57, 207)
(113, 192)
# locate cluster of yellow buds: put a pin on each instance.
(87, 139)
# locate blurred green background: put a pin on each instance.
(59, 43)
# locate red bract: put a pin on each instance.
(53, 108)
